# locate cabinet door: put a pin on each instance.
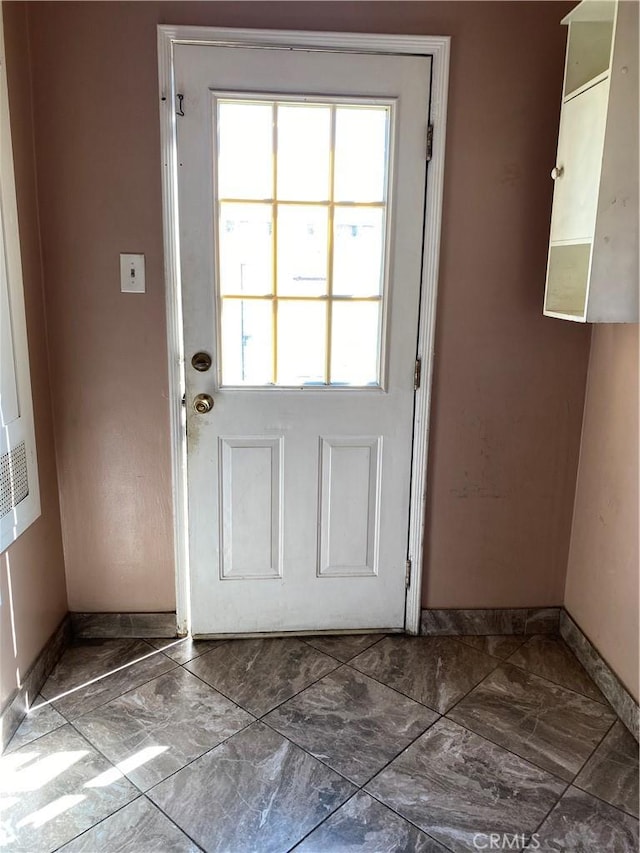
(580, 148)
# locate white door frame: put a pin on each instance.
(438, 48)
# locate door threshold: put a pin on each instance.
(319, 632)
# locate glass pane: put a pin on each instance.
(357, 251)
(247, 328)
(361, 153)
(245, 248)
(302, 250)
(245, 144)
(355, 343)
(303, 152)
(301, 342)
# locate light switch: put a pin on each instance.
(132, 273)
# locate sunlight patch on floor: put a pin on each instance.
(57, 807)
(125, 766)
(19, 778)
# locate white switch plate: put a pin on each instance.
(132, 273)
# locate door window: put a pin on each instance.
(302, 218)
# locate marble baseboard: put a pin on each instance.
(619, 697)
(16, 707)
(495, 621)
(117, 626)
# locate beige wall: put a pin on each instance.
(32, 581)
(509, 384)
(602, 578)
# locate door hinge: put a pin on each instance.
(407, 574)
(417, 374)
(429, 142)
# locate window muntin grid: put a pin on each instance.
(302, 251)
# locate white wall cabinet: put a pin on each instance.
(592, 271)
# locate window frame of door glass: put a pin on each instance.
(387, 206)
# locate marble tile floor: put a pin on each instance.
(361, 744)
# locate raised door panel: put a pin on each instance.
(251, 516)
(349, 506)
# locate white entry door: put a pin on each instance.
(301, 182)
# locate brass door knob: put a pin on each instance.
(201, 361)
(202, 403)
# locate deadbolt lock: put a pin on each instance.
(203, 403)
(201, 361)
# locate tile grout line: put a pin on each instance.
(139, 791)
(67, 719)
(112, 766)
(488, 739)
(419, 701)
(244, 728)
(522, 758)
(528, 761)
(547, 815)
(119, 695)
(141, 796)
(525, 668)
(366, 649)
(359, 672)
(408, 820)
(506, 748)
(196, 656)
(260, 716)
(499, 662)
(458, 638)
(346, 778)
(127, 690)
(361, 788)
(597, 797)
(145, 793)
(605, 802)
(323, 821)
(162, 812)
(564, 686)
(605, 704)
(97, 823)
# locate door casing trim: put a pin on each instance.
(438, 48)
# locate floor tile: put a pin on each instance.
(139, 827)
(363, 825)
(38, 722)
(343, 647)
(55, 788)
(543, 722)
(454, 784)
(582, 824)
(437, 671)
(91, 659)
(351, 722)
(612, 771)
(260, 674)
(185, 650)
(255, 792)
(498, 646)
(551, 658)
(156, 729)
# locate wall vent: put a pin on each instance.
(13, 473)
